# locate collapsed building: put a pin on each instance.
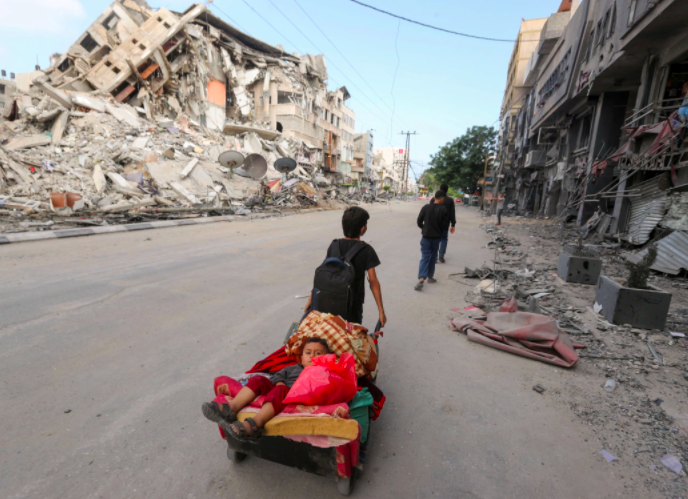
(139, 110)
(596, 133)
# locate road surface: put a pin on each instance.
(109, 345)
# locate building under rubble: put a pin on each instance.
(596, 131)
(171, 87)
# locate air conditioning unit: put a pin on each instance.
(536, 158)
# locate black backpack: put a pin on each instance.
(333, 282)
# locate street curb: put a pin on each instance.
(23, 237)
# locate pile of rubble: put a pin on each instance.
(630, 385)
(131, 121)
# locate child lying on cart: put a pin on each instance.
(274, 392)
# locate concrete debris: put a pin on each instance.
(137, 112)
(629, 382)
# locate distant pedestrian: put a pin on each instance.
(450, 205)
(434, 220)
(500, 208)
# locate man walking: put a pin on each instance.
(433, 219)
(450, 205)
(501, 201)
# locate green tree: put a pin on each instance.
(461, 162)
(428, 180)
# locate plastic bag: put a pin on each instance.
(325, 382)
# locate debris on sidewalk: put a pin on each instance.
(624, 371)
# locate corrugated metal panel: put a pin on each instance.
(672, 254)
(648, 207)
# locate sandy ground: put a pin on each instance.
(109, 345)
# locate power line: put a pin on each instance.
(302, 51)
(269, 24)
(228, 17)
(333, 64)
(344, 57)
(394, 80)
(433, 27)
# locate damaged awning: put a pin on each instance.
(672, 254)
(648, 206)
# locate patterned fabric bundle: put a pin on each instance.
(341, 336)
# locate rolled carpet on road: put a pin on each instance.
(534, 336)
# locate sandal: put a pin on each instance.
(237, 431)
(218, 412)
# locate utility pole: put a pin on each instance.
(482, 197)
(487, 162)
(407, 161)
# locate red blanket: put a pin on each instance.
(534, 336)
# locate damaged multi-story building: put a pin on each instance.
(599, 136)
(216, 74)
(178, 81)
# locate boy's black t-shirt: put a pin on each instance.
(364, 260)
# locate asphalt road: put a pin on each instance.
(109, 345)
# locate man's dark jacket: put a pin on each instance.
(451, 208)
(434, 220)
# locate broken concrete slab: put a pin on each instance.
(234, 129)
(118, 179)
(128, 205)
(57, 95)
(46, 116)
(140, 143)
(185, 172)
(184, 192)
(29, 142)
(88, 102)
(99, 178)
(59, 127)
(123, 115)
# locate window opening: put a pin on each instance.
(110, 21)
(88, 43)
(631, 11)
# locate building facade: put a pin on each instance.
(598, 136)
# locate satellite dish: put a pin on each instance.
(231, 159)
(285, 165)
(254, 166)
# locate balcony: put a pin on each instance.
(659, 110)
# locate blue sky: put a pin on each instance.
(444, 83)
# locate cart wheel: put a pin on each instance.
(234, 456)
(345, 485)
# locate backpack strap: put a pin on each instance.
(354, 251)
(336, 250)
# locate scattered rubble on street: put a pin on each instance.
(129, 125)
(630, 384)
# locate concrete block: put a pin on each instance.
(58, 95)
(641, 308)
(579, 269)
